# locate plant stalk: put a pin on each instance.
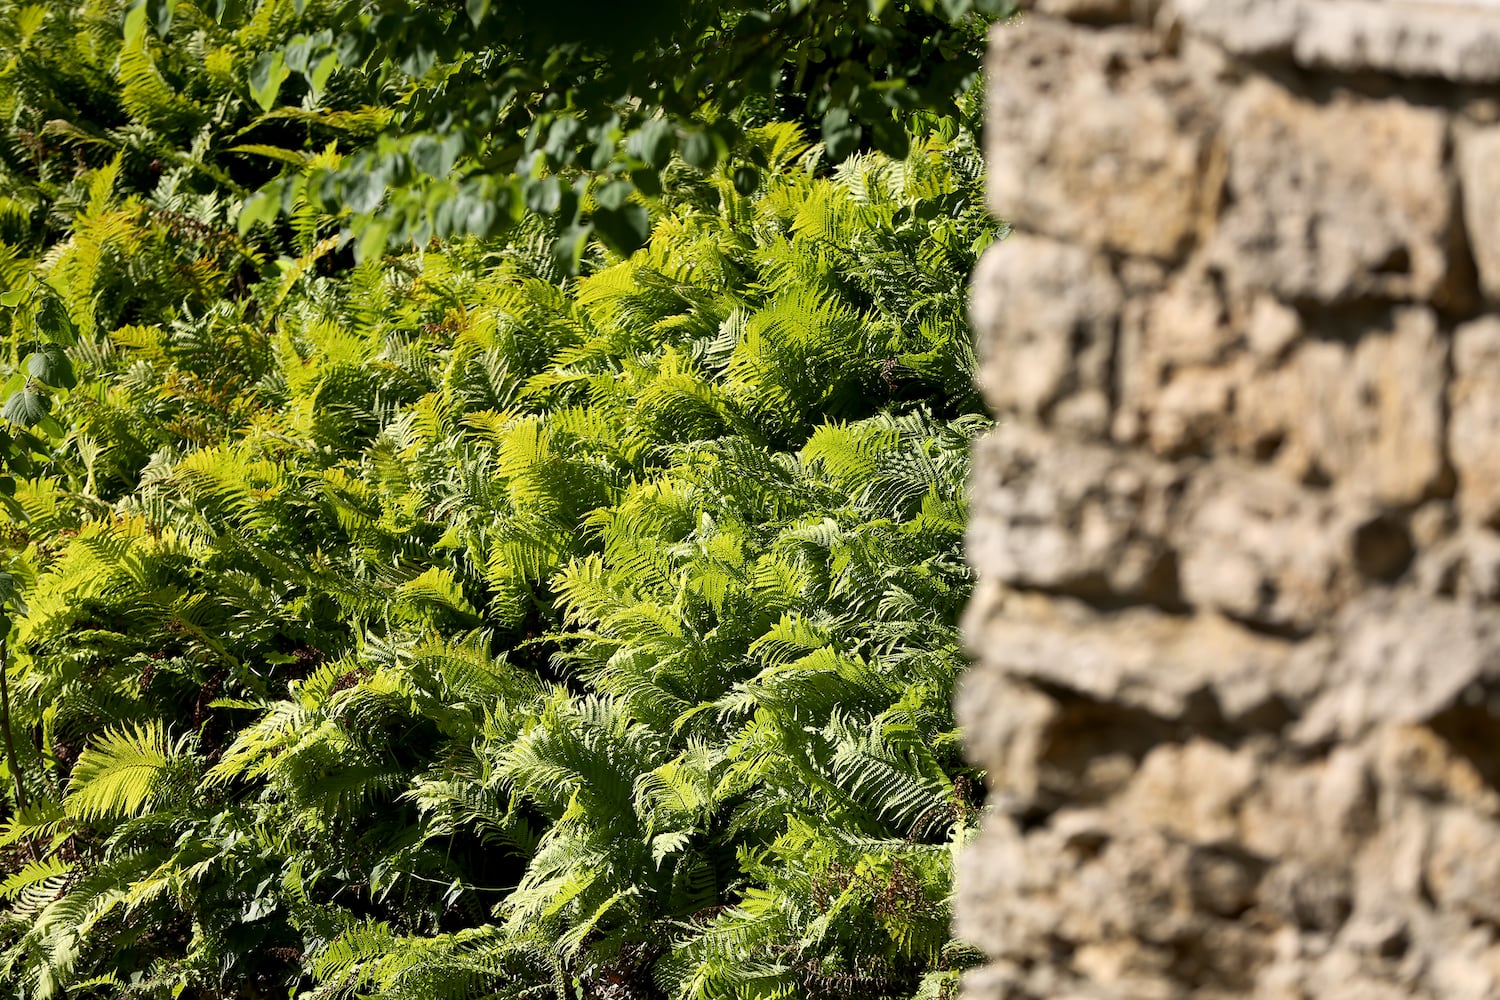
(10, 743)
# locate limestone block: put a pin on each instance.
(1317, 812)
(1474, 423)
(1243, 27)
(1285, 416)
(1139, 913)
(1266, 550)
(1465, 963)
(1190, 409)
(1044, 315)
(1390, 868)
(1415, 762)
(1186, 324)
(1140, 661)
(1386, 426)
(1455, 39)
(1402, 658)
(1093, 138)
(1313, 897)
(1479, 174)
(1378, 931)
(1465, 565)
(1071, 517)
(1005, 727)
(1095, 11)
(1271, 328)
(1332, 201)
(1175, 391)
(1192, 790)
(1463, 869)
(1432, 523)
(1367, 417)
(992, 875)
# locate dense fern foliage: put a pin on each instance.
(443, 627)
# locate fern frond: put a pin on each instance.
(121, 773)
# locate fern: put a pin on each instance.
(520, 637)
(121, 774)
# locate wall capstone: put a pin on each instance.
(1237, 632)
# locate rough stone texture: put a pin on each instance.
(1479, 166)
(1474, 421)
(1028, 367)
(1095, 138)
(1102, 11)
(1453, 39)
(1073, 516)
(1333, 201)
(1237, 631)
(1268, 551)
(1366, 413)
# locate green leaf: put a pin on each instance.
(664, 845)
(371, 240)
(119, 774)
(567, 249)
(27, 407)
(259, 907)
(652, 142)
(435, 155)
(418, 59)
(477, 9)
(10, 597)
(54, 323)
(361, 190)
(353, 47)
(746, 180)
(435, 590)
(291, 156)
(891, 138)
(297, 54)
(624, 229)
(161, 15)
(542, 195)
(493, 209)
(261, 206)
(266, 77)
(647, 181)
(317, 77)
(699, 149)
(613, 195)
(603, 155)
(52, 427)
(51, 364)
(572, 200)
(13, 298)
(561, 137)
(841, 134)
(220, 10)
(135, 20)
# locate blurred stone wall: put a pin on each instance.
(1237, 633)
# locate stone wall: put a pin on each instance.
(1237, 635)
